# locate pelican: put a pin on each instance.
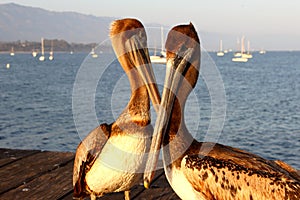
(203, 170)
(112, 157)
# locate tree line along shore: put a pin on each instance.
(56, 45)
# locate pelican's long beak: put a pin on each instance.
(175, 68)
(140, 56)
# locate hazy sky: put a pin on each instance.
(271, 21)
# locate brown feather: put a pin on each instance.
(86, 153)
(215, 171)
(230, 173)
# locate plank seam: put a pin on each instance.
(38, 175)
(136, 195)
(65, 195)
(15, 160)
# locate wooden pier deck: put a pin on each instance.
(33, 174)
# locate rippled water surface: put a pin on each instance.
(262, 101)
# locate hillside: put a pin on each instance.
(23, 23)
(27, 23)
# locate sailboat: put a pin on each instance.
(161, 59)
(262, 51)
(248, 54)
(238, 56)
(93, 54)
(34, 53)
(51, 52)
(239, 59)
(220, 53)
(12, 52)
(42, 57)
(239, 45)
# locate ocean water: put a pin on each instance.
(51, 105)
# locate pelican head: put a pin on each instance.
(129, 41)
(183, 64)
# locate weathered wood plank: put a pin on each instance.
(27, 174)
(24, 170)
(68, 196)
(11, 155)
(140, 189)
(160, 189)
(52, 185)
(158, 194)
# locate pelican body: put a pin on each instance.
(203, 170)
(112, 157)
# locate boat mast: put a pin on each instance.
(51, 46)
(162, 38)
(248, 47)
(243, 44)
(42, 44)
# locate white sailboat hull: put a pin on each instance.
(94, 55)
(262, 52)
(240, 59)
(238, 54)
(158, 59)
(34, 54)
(247, 56)
(41, 58)
(220, 54)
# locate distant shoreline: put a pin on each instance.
(109, 51)
(46, 52)
(55, 44)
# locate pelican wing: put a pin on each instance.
(86, 153)
(236, 174)
(294, 173)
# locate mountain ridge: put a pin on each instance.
(26, 23)
(18, 22)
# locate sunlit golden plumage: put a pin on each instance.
(112, 157)
(203, 170)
